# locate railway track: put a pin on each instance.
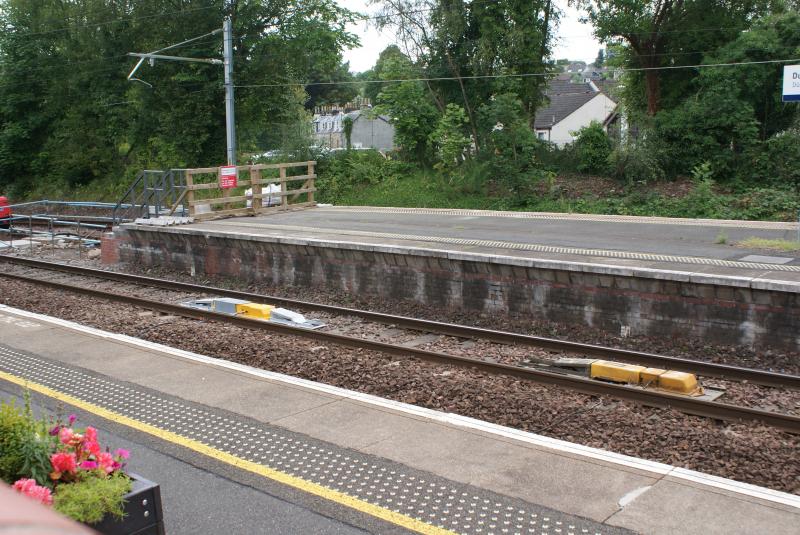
(685, 404)
(708, 369)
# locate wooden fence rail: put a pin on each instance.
(203, 207)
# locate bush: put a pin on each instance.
(93, 498)
(340, 172)
(508, 144)
(777, 162)
(449, 139)
(592, 148)
(633, 163)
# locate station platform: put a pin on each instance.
(685, 246)
(223, 438)
(627, 275)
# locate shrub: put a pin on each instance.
(340, 172)
(508, 144)
(93, 498)
(449, 139)
(632, 163)
(592, 148)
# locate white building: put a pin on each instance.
(570, 107)
(369, 132)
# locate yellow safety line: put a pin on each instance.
(270, 473)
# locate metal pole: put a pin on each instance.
(230, 121)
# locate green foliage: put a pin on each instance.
(342, 172)
(91, 499)
(592, 148)
(449, 139)
(508, 141)
(411, 112)
(69, 119)
(633, 162)
(13, 433)
(347, 124)
(24, 444)
(777, 162)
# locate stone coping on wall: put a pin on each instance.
(693, 277)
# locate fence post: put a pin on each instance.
(311, 183)
(225, 192)
(284, 195)
(255, 184)
(190, 192)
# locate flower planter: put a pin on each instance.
(143, 514)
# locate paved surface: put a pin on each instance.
(654, 243)
(273, 454)
(197, 499)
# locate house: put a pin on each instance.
(570, 107)
(369, 132)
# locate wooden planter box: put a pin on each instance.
(143, 514)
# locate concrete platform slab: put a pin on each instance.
(463, 457)
(706, 512)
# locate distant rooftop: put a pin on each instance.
(564, 97)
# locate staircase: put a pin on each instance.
(154, 193)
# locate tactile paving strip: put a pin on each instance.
(600, 218)
(431, 499)
(627, 255)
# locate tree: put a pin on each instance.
(598, 62)
(408, 106)
(69, 117)
(470, 48)
(668, 32)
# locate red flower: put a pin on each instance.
(91, 434)
(29, 488)
(63, 463)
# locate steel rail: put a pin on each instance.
(709, 369)
(719, 411)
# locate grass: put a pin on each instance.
(775, 245)
(428, 189)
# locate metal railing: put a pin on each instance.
(154, 192)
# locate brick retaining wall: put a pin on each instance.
(647, 302)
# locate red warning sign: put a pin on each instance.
(227, 177)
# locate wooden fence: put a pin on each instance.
(203, 195)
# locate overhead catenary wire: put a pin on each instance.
(516, 75)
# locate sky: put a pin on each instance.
(575, 40)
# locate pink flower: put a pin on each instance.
(72, 419)
(122, 453)
(91, 434)
(89, 465)
(92, 447)
(107, 462)
(63, 463)
(29, 488)
(54, 431)
(65, 435)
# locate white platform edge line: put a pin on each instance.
(660, 469)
